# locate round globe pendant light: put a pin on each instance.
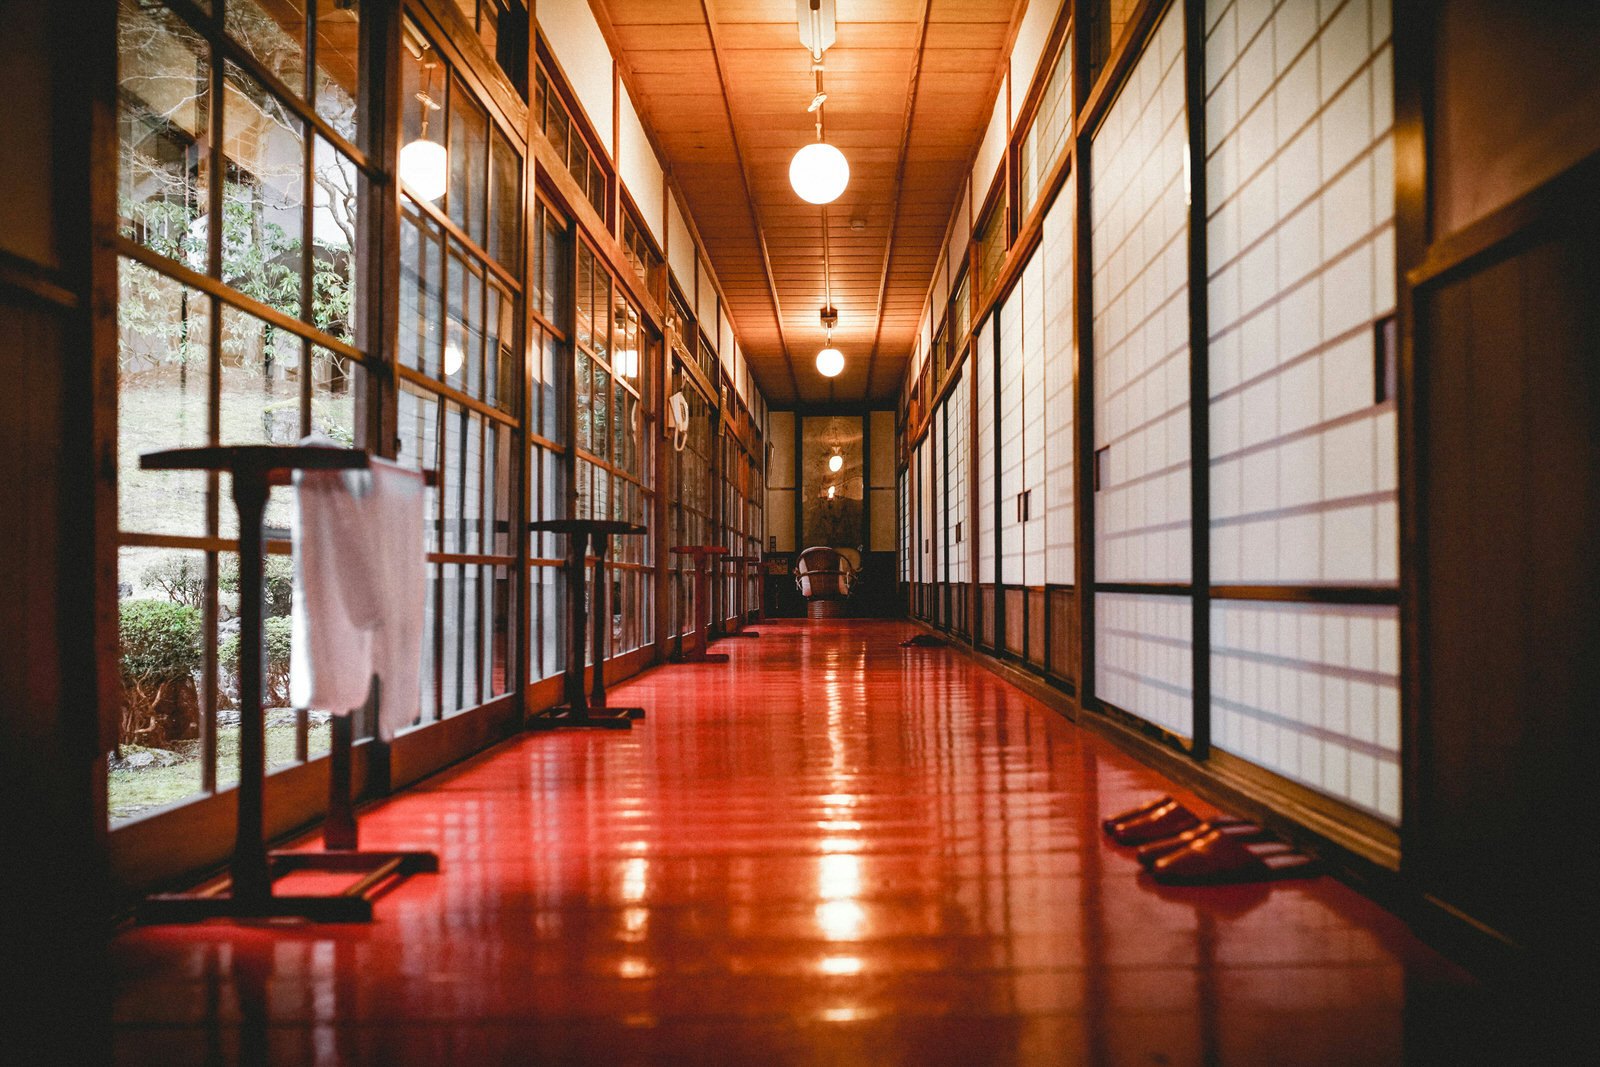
(425, 168)
(830, 362)
(835, 462)
(819, 172)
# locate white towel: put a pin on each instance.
(360, 582)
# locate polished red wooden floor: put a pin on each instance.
(833, 850)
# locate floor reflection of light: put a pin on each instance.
(839, 876)
(838, 826)
(840, 800)
(841, 965)
(633, 879)
(634, 921)
(841, 920)
(841, 844)
(631, 967)
(845, 1014)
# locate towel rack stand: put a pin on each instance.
(247, 892)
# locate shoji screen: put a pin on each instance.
(1011, 442)
(1138, 229)
(1032, 443)
(958, 460)
(930, 496)
(983, 360)
(1300, 237)
(1060, 352)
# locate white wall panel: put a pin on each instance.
(1300, 229)
(1144, 657)
(706, 303)
(681, 254)
(1060, 394)
(640, 170)
(991, 150)
(579, 46)
(1031, 38)
(983, 360)
(1141, 321)
(1312, 692)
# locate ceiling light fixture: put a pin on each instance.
(835, 463)
(424, 164)
(818, 172)
(830, 361)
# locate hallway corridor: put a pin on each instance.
(833, 850)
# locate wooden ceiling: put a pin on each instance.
(723, 86)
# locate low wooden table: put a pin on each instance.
(579, 711)
(702, 602)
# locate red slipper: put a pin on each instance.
(1244, 831)
(1134, 813)
(1215, 857)
(1170, 818)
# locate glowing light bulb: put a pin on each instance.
(819, 172)
(453, 358)
(832, 489)
(830, 362)
(425, 168)
(835, 462)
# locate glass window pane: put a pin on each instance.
(333, 397)
(260, 397)
(263, 194)
(275, 39)
(585, 306)
(421, 316)
(338, 51)
(505, 199)
(163, 399)
(164, 103)
(335, 201)
(469, 132)
(161, 594)
(418, 431)
(582, 370)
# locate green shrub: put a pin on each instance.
(159, 652)
(275, 671)
(278, 582)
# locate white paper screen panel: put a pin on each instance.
(1144, 657)
(1312, 692)
(929, 517)
(1009, 412)
(903, 514)
(914, 514)
(958, 462)
(983, 358)
(1141, 321)
(1032, 438)
(1300, 243)
(1060, 354)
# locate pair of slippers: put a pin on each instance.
(1178, 847)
